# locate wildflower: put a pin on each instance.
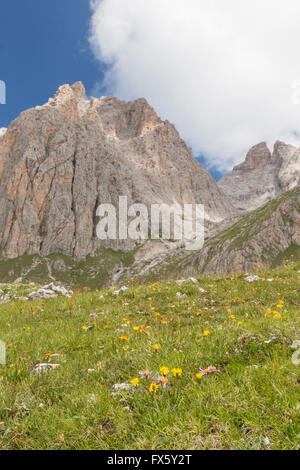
(163, 380)
(177, 372)
(231, 317)
(124, 338)
(239, 323)
(270, 340)
(199, 375)
(164, 370)
(206, 333)
(153, 388)
(156, 347)
(135, 382)
(269, 311)
(145, 373)
(209, 370)
(92, 315)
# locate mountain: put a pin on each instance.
(262, 176)
(262, 239)
(59, 161)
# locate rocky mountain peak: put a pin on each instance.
(116, 118)
(262, 176)
(257, 157)
(78, 90)
(2, 131)
(282, 152)
(59, 161)
(67, 98)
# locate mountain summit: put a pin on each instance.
(262, 176)
(59, 161)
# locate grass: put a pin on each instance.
(242, 231)
(251, 403)
(94, 271)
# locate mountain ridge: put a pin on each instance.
(59, 161)
(262, 176)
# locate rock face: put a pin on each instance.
(2, 131)
(259, 238)
(59, 161)
(262, 176)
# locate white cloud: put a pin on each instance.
(221, 70)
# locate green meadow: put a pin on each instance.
(131, 371)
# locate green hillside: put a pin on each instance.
(245, 330)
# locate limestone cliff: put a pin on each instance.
(262, 176)
(262, 238)
(59, 161)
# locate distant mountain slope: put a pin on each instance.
(262, 238)
(59, 161)
(262, 176)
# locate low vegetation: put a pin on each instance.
(131, 370)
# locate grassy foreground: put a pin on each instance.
(244, 330)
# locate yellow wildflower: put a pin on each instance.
(164, 370)
(177, 372)
(135, 382)
(153, 388)
(125, 338)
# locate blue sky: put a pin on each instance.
(44, 44)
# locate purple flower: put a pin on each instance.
(145, 373)
(93, 315)
(209, 370)
(163, 380)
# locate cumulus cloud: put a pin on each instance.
(225, 72)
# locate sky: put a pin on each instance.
(43, 44)
(225, 72)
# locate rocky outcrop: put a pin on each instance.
(2, 131)
(59, 161)
(262, 176)
(260, 238)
